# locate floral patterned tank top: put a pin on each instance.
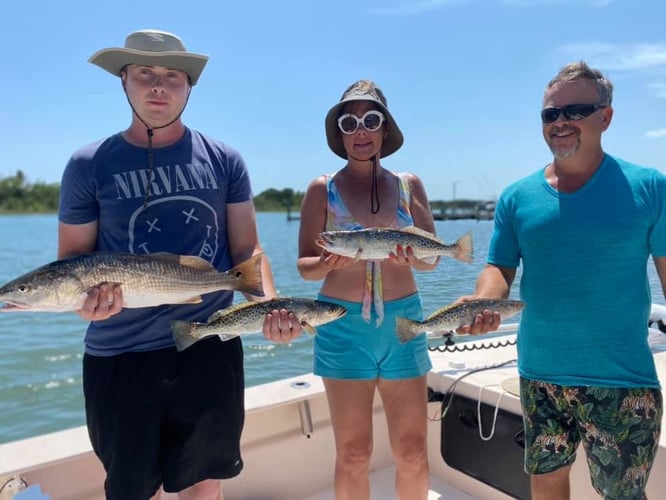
(340, 219)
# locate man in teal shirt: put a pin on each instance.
(584, 227)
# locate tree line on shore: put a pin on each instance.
(17, 195)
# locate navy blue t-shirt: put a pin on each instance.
(191, 184)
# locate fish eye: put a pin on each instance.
(23, 288)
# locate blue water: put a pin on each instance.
(40, 369)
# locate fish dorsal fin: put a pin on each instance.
(230, 310)
(442, 310)
(196, 262)
(420, 232)
(183, 260)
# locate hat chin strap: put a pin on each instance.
(149, 133)
(374, 193)
(149, 129)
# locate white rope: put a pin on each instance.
(478, 411)
(450, 392)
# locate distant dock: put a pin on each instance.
(448, 210)
(464, 209)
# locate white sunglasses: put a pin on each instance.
(372, 120)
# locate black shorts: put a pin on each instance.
(166, 418)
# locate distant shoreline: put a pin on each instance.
(441, 210)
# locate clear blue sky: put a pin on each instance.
(464, 80)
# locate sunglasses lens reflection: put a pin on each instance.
(579, 111)
(372, 122)
(348, 124)
(571, 112)
(550, 115)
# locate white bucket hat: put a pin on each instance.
(151, 48)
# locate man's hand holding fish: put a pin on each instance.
(102, 302)
(485, 321)
(281, 326)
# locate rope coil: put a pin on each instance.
(472, 347)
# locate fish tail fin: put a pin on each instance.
(407, 329)
(184, 334)
(249, 274)
(464, 248)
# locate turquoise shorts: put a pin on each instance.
(354, 349)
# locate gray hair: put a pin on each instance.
(581, 72)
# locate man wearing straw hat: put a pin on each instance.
(158, 417)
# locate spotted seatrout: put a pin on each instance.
(145, 279)
(377, 243)
(451, 317)
(249, 318)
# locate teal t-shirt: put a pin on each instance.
(584, 278)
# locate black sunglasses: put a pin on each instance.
(570, 112)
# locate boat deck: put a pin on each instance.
(381, 487)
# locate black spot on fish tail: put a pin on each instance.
(249, 276)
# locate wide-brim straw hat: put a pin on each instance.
(151, 48)
(363, 90)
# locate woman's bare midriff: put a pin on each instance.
(348, 283)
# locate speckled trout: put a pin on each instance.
(377, 243)
(451, 317)
(146, 280)
(249, 318)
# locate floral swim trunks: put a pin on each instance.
(619, 429)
